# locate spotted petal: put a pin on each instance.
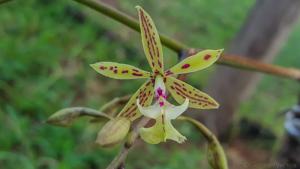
(200, 60)
(181, 90)
(151, 42)
(145, 96)
(119, 71)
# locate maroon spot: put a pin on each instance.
(185, 66)
(124, 71)
(137, 74)
(159, 63)
(206, 57)
(177, 84)
(153, 64)
(115, 71)
(152, 80)
(168, 72)
(102, 67)
(111, 68)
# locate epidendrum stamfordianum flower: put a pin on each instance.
(157, 84)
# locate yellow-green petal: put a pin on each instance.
(145, 96)
(172, 133)
(154, 134)
(151, 42)
(200, 60)
(160, 132)
(197, 99)
(119, 71)
(152, 111)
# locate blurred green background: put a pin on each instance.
(46, 47)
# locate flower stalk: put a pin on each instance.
(215, 153)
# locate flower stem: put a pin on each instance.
(216, 156)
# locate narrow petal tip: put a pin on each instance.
(138, 7)
(181, 140)
(92, 65)
(217, 105)
(220, 51)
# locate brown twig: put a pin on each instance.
(253, 65)
(229, 60)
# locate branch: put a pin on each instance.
(229, 60)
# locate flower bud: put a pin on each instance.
(113, 132)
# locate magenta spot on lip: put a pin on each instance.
(160, 93)
(161, 104)
(185, 66)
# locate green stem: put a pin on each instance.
(236, 61)
(215, 153)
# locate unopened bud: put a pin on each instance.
(66, 117)
(113, 132)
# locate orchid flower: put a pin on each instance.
(159, 81)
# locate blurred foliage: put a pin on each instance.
(45, 51)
